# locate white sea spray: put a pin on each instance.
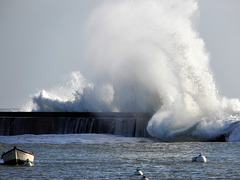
(147, 56)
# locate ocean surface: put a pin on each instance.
(92, 156)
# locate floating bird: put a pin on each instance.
(138, 172)
(199, 158)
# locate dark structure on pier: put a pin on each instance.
(125, 124)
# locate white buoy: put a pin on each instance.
(28, 163)
(138, 172)
(199, 158)
(144, 177)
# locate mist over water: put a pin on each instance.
(147, 56)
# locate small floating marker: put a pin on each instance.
(144, 177)
(28, 163)
(199, 158)
(138, 172)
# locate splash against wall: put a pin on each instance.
(146, 56)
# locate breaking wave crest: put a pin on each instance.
(147, 56)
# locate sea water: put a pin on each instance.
(92, 156)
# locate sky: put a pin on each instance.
(41, 41)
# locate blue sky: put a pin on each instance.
(42, 41)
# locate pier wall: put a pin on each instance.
(125, 124)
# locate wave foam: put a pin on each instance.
(147, 56)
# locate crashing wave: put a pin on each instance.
(147, 56)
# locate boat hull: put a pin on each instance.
(17, 156)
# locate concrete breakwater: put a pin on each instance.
(125, 124)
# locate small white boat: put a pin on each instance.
(17, 156)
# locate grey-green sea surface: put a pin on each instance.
(91, 156)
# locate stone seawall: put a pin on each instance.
(125, 124)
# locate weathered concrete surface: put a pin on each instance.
(125, 124)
